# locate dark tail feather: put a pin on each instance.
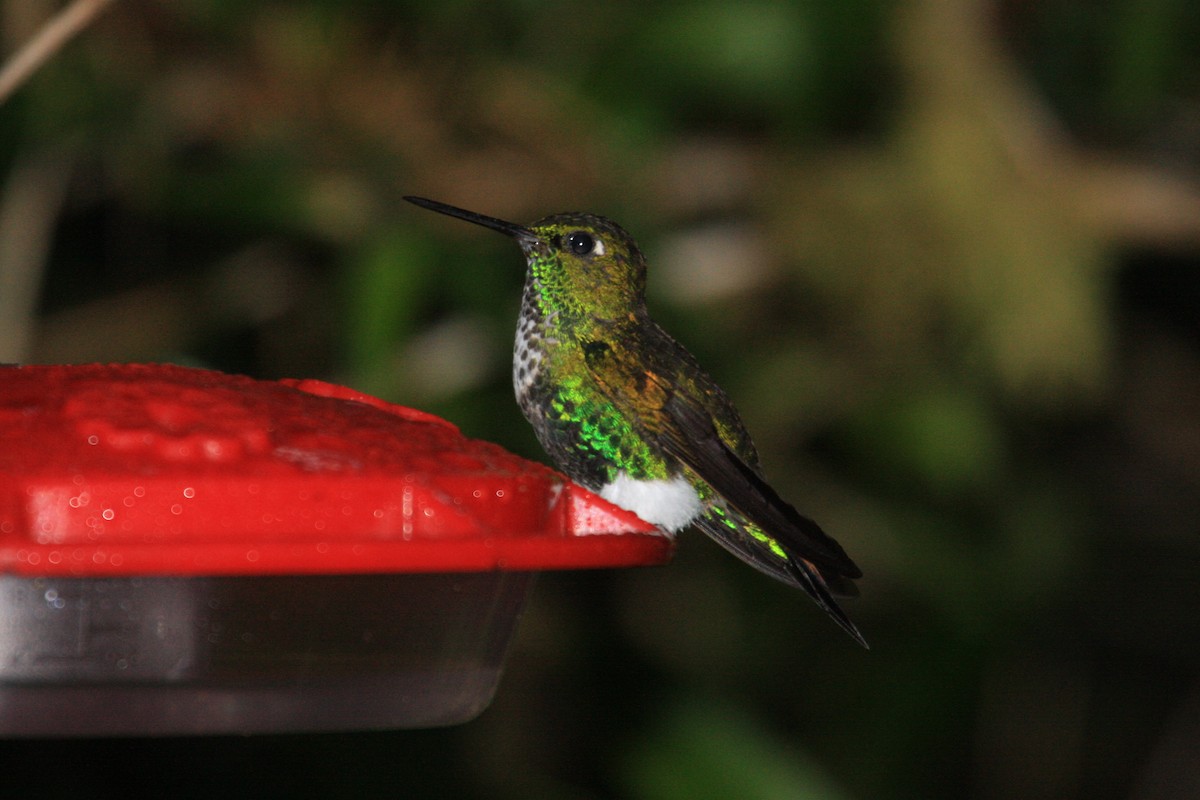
(794, 571)
(811, 581)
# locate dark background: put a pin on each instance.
(943, 255)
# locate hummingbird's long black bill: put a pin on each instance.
(518, 232)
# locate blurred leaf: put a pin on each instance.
(748, 54)
(942, 439)
(385, 290)
(711, 751)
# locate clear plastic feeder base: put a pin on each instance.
(92, 656)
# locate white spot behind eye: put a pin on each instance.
(598, 250)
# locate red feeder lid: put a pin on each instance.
(132, 469)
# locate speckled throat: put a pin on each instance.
(528, 353)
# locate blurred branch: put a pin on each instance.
(48, 41)
(968, 72)
(29, 206)
(142, 324)
(980, 215)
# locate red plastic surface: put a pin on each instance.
(164, 470)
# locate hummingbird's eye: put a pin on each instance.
(584, 244)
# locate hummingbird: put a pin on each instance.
(624, 410)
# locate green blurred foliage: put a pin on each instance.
(925, 246)
(708, 752)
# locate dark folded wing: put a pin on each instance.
(692, 439)
(683, 428)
